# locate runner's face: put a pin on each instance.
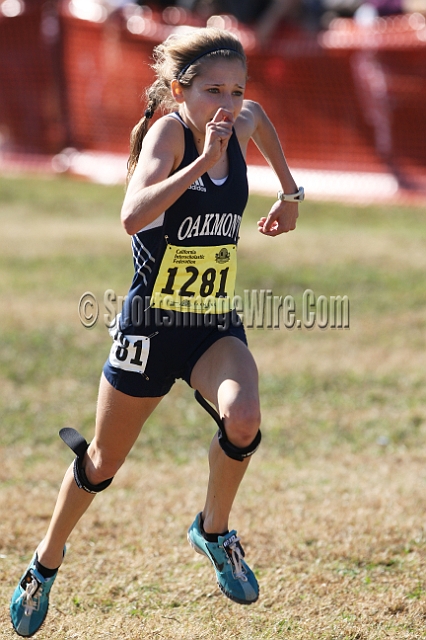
(220, 84)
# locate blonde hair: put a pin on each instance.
(180, 58)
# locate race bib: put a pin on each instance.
(196, 279)
(129, 352)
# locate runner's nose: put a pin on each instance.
(227, 103)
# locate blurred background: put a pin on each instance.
(344, 82)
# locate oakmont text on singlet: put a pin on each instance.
(213, 224)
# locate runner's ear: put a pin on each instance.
(177, 91)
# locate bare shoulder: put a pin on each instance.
(164, 142)
(166, 131)
(248, 121)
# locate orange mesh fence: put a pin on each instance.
(32, 103)
(349, 98)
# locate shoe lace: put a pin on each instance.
(236, 554)
(29, 602)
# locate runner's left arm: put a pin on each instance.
(283, 215)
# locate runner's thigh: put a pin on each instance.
(119, 419)
(226, 375)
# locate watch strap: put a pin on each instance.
(299, 196)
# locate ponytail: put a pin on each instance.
(140, 130)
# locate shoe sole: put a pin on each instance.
(225, 593)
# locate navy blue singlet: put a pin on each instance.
(157, 343)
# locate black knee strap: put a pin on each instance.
(236, 453)
(79, 445)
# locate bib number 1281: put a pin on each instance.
(205, 284)
(196, 279)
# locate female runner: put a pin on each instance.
(186, 193)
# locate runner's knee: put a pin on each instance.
(242, 422)
(99, 465)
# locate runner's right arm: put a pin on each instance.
(152, 188)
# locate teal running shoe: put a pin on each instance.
(234, 577)
(30, 601)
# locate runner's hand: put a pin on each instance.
(281, 219)
(218, 133)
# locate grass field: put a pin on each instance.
(332, 510)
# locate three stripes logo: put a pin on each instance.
(198, 185)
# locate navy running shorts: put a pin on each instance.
(147, 366)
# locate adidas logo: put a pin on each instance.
(198, 185)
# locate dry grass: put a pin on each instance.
(369, 247)
(338, 545)
(331, 513)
